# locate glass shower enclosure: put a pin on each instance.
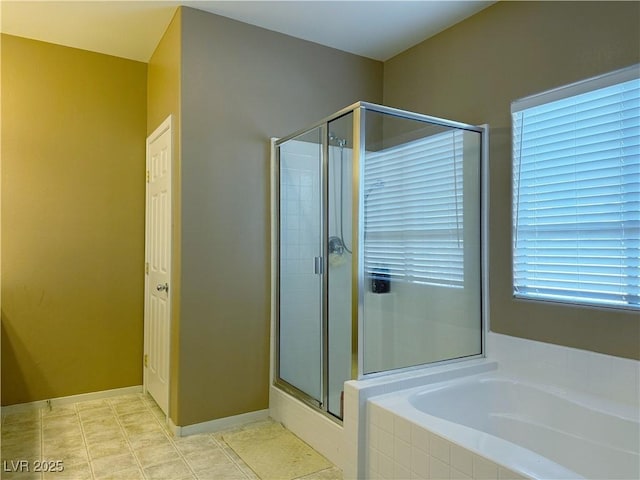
(378, 249)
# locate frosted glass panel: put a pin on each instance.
(300, 354)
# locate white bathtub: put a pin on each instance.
(490, 425)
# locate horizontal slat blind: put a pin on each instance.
(413, 211)
(576, 198)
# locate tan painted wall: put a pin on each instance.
(241, 85)
(471, 73)
(163, 99)
(73, 150)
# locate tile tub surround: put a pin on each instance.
(398, 449)
(537, 431)
(613, 378)
(358, 392)
(122, 437)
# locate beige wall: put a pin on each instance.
(471, 73)
(73, 149)
(241, 85)
(163, 99)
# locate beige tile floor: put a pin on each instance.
(118, 438)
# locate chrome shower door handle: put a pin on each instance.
(318, 265)
(162, 287)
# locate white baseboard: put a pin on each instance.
(218, 424)
(82, 397)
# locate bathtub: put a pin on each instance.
(495, 426)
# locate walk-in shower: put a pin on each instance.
(378, 249)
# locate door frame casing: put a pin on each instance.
(166, 124)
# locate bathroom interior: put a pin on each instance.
(347, 257)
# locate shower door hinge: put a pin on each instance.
(146, 360)
(147, 176)
(318, 265)
(146, 268)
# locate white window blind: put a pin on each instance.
(576, 193)
(413, 211)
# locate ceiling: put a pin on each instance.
(132, 29)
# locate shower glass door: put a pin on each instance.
(300, 231)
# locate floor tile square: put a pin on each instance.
(129, 474)
(56, 410)
(25, 416)
(57, 447)
(129, 407)
(175, 469)
(156, 454)
(111, 434)
(228, 472)
(108, 448)
(71, 456)
(114, 463)
(20, 437)
(96, 414)
(141, 416)
(79, 471)
(60, 421)
(138, 428)
(147, 439)
(91, 404)
(207, 459)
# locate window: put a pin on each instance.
(413, 211)
(576, 192)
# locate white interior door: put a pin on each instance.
(158, 266)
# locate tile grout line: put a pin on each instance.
(126, 437)
(184, 459)
(171, 437)
(233, 460)
(84, 441)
